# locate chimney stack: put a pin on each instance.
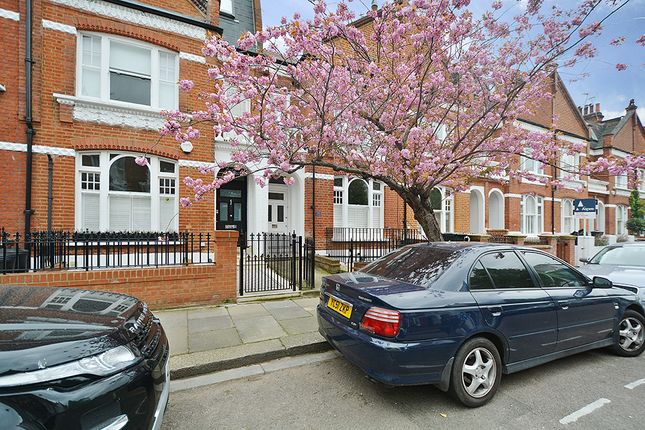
(592, 113)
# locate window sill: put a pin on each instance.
(227, 16)
(112, 113)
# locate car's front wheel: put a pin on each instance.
(476, 373)
(630, 340)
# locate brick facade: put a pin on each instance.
(61, 134)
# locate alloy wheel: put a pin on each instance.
(479, 372)
(631, 334)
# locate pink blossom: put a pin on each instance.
(641, 40)
(185, 202)
(621, 66)
(288, 180)
(142, 161)
(186, 85)
(617, 41)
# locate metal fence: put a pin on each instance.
(89, 251)
(275, 262)
(350, 245)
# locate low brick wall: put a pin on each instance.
(163, 287)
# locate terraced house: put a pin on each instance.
(84, 84)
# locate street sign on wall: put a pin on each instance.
(585, 208)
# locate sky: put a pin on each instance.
(604, 84)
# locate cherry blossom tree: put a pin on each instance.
(424, 93)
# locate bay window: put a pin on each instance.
(532, 215)
(112, 68)
(114, 193)
(358, 203)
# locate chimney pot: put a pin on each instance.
(597, 107)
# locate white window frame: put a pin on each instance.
(621, 219)
(530, 165)
(104, 80)
(567, 214)
(104, 192)
(621, 181)
(375, 199)
(226, 6)
(446, 216)
(570, 162)
(641, 180)
(537, 225)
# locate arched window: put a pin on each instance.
(441, 202)
(358, 192)
(568, 225)
(117, 194)
(621, 218)
(357, 203)
(531, 214)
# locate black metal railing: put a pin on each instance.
(275, 262)
(350, 245)
(62, 250)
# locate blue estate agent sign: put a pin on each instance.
(584, 208)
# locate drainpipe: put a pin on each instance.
(28, 117)
(50, 194)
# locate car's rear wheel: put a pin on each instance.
(630, 340)
(476, 373)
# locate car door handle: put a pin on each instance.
(495, 311)
(564, 305)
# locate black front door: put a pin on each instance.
(231, 205)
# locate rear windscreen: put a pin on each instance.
(419, 265)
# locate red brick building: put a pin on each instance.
(102, 73)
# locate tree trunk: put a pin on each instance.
(425, 217)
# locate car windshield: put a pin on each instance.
(623, 256)
(419, 265)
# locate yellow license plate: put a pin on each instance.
(340, 306)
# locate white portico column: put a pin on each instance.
(257, 204)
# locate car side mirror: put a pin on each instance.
(584, 260)
(600, 282)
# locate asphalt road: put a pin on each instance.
(586, 391)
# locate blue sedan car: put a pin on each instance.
(459, 315)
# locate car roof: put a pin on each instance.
(623, 244)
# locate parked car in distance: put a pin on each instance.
(74, 359)
(459, 315)
(622, 263)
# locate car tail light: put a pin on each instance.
(383, 322)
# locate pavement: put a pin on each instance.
(209, 339)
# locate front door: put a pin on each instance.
(231, 205)
(277, 210)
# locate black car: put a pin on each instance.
(74, 359)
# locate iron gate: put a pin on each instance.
(271, 262)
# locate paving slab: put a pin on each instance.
(309, 304)
(299, 325)
(211, 311)
(258, 329)
(218, 322)
(245, 311)
(213, 339)
(288, 313)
